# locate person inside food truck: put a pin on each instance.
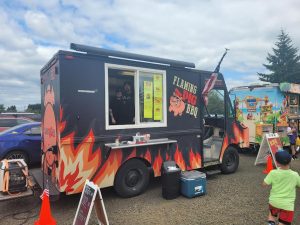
(121, 108)
(128, 100)
(116, 107)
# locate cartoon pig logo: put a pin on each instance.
(176, 105)
(49, 131)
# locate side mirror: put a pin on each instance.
(234, 109)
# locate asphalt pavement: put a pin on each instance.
(234, 199)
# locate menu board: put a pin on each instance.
(148, 99)
(91, 196)
(270, 145)
(158, 97)
(100, 209)
(85, 204)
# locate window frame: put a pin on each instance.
(22, 121)
(137, 124)
(30, 132)
(10, 122)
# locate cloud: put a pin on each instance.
(197, 31)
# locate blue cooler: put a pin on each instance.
(193, 183)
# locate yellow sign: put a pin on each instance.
(148, 99)
(266, 108)
(158, 97)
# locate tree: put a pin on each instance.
(2, 108)
(283, 63)
(12, 108)
(34, 108)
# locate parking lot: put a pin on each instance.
(231, 199)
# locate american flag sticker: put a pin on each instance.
(208, 86)
(45, 192)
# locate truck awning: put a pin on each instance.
(290, 88)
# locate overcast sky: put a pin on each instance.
(31, 31)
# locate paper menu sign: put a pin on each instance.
(148, 99)
(158, 97)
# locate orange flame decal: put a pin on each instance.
(106, 175)
(147, 156)
(167, 156)
(77, 164)
(195, 160)
(241, 135)
(179, 159)
(157, 164)
(133, 154)
(224, 146)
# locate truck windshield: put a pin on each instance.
(215, 106)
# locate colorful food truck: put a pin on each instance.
(114, 118)
(267, 108)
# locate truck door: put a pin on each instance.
(214, 126)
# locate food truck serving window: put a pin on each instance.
(135, 97)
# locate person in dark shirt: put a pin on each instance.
(115, 108)
(129, 109)
(292, 134)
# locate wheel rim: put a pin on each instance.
(231, 160)
(133, 178)
(16, 156)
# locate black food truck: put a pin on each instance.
(114, 118)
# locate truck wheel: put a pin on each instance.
(132, 178)
(230, 161)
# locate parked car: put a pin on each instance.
(22, 142)
(7, 122)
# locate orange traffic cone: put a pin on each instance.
(269, 165)
(45, 213)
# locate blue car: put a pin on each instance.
(22, 142)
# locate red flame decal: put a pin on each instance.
(195, 160)
(77, 164)
(224, 146)
(179, 159)
(133, 154)
(157, 164)
(241, 135)
(167, 156)
(147, 156)
(105, 177)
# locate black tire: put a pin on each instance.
(230, 161)
(16, 154)
(132, 178)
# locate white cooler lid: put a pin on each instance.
(193, 174)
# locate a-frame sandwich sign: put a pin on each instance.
(91, 196)
(270, 145)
